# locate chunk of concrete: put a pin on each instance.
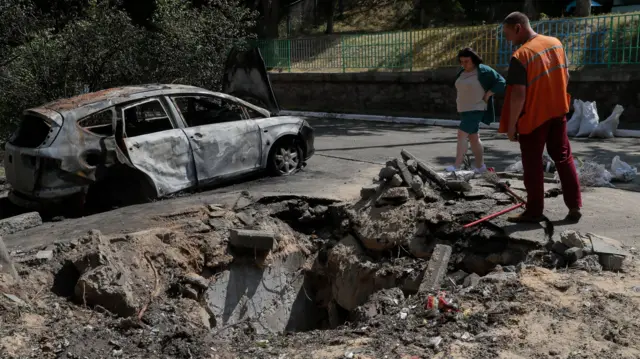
(559, 247)
(436, 268)
(417, 184)
(395, 181)
(19, 223)
(459, 276)
(394, 196)
(44, 255)
(459, 186)
(388, 172)
(251, 239)
(369, 191)
(271, 299)
(606, 245)
(499, 277)
(572, 255)
(471, 280)
(611, 262)
(572, 238)
(6, 263)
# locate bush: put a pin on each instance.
(105, 49)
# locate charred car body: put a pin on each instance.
(154, 140)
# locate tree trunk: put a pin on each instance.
(329, 12)
(530, 9)
(583, 8)
(271, 17)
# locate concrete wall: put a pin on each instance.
(432, 94)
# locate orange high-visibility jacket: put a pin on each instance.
(547, 78)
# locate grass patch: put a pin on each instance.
(598, 40)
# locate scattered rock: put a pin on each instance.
(388, 172)
(394, 196)
(572, 255)
(196, 280)
(395, 181)
(572, 238)
(412, 166)
(417, 184)
(499, 277)
(245, 218)
(471, 280)
(217, 214)
(589, 263)
(459, 276)
(369, 191)
(14, 299)
(559, 247)
(459, 186)
(250, 239)
(19, 223)
(611, 262)
(108, 286)
(44, 255)
(216, 207)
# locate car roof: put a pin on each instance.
(102, 99)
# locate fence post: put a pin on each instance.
(342, 53)
(289, 53)
(410, 50)
(610, 43)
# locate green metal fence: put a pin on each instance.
(601, 40)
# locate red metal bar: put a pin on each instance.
(491, 216)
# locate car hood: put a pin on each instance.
(245, 76)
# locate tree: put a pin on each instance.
(583, 8)
(529, 9)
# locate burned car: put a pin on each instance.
(151, 141)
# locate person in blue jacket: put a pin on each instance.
(476, 84)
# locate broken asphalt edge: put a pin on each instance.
(415, 120)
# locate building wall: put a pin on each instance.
(432, 94)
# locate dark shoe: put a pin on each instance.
(574, 215)
(525, 218)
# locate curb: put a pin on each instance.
(414, 121)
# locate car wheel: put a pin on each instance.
(285, 158)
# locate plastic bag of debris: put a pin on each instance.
(608, 127)
(622, 171)
(515, 167)
(593, 174)
(573, 125)
(461, 175)
(548, 164)
(590, 119)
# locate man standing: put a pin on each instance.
(534, 114)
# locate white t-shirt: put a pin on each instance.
(470, 92)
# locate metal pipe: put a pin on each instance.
(491, 216)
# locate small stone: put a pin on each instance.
(412, 166)
(459, 186)
(369, 191)
(44, 255)
(394, 196)
(509, 269)
(245, 218)
(589, 263)
(559, 247)
(611, 262)
(218, 224)
(217, 214)
(554, 260)
(450, 203)
(190, 292)
(387, 173)
(572, 255)
(471, 280)
(435, 342)
(196, 280)
(499, 277)
(14, 299)
(459, 276)
(216, 207)
(416, 184)
(395, 181)
(572, 238)
(562, 285)
(553, 352)
(249, 239)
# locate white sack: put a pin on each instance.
(589, 119)
(608, 127)
(573, 125)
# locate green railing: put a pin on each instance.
(601, 40)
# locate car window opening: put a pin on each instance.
(198, 111)
(32, 132)
(99, 123)
(145, 118)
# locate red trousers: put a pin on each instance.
(553, 133)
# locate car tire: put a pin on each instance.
(285, 157)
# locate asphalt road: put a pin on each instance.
(349, 154)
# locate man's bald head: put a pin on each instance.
(517, 29)
(517, 18)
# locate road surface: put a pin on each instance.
(349, 155)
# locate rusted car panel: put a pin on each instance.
(223, 149)
(64, 147)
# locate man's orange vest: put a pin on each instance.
(547, 78)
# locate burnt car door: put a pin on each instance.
(245, 76)
(223, 140)
(155, 145)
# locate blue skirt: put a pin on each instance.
(470, 121)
